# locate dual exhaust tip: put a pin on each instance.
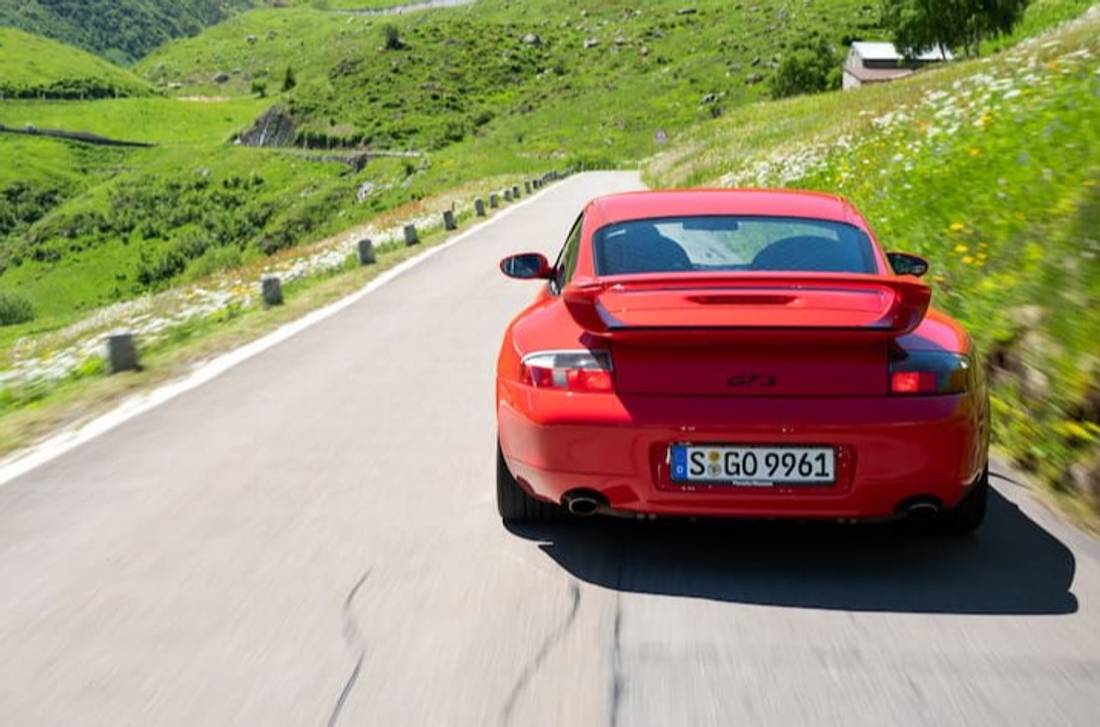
(586, 503)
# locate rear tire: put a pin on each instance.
(968, 514)
(513, 502)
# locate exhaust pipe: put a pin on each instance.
(922, 511)
(583, 504)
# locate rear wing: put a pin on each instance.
(643, 307)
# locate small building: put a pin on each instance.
(878, 62)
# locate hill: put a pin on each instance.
(119, 30)
(32, 66)
(991, 169)
(596, 78)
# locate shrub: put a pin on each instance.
(809, 68)
(14, 309)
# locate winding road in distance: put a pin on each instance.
(311, 539)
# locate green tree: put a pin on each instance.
(289, 81)
(811, 67)
(962, 25)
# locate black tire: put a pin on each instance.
(968, 514)
(513, 502)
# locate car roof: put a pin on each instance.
(628, 206)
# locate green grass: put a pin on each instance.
(33, 64)
(119, 30)
(991, 169)
(164, 121)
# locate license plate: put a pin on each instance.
(753, 466)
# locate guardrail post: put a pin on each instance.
(272, 288)
(366, 252)
(507, 195)
(494, 201)
(515, 192)
(527, 188)
(479, 207)
(121, 352)
(449, 220)
(411, 238)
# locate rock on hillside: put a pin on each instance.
(274, 128)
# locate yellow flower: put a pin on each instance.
(960, 249)
(957, 227)
(975, 151)
(968, 260)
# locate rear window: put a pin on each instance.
(690, 244)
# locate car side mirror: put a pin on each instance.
(905, 264)
(527, 266)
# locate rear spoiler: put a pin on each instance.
(641, 307)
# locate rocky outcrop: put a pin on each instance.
(274, 128)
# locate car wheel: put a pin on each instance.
(968, 514)
(513, 502)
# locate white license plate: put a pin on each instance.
(753, 466)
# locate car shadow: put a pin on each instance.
(1010, 566)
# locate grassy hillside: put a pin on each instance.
(119, 30)
(468, 88)
(493, 67)
(991, 169)
(33, 66)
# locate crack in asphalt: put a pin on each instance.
(616, 663)
(532, 667)
(358, 645)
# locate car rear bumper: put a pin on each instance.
(889, 449)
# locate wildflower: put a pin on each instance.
(960, 249)
(968, 260)
(957, 227)
(975, 151)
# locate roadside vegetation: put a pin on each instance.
(991, 169)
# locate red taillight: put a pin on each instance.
(917, 373)
(582, 371)
(914, 382)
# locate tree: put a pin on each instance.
(962, 25)
(289, 81)
(810, 67)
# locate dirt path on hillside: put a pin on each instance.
(405, 8)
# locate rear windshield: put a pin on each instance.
(687, 244)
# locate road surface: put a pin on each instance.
(311, 539)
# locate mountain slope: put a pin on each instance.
(33, 66)
(120, 30)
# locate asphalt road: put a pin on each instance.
(311, 539)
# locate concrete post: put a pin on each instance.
(449, 220)
(515, 191)
(411, 238)
(527, 188)
(507, 195)
(121, 352)
(494, 201)
(272, 288)
(479, 207)
(366, 252)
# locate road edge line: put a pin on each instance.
(55, 445)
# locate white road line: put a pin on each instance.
(53, 447)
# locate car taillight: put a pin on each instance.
(588, 371)
(916, 373)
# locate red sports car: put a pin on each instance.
(740, 353)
